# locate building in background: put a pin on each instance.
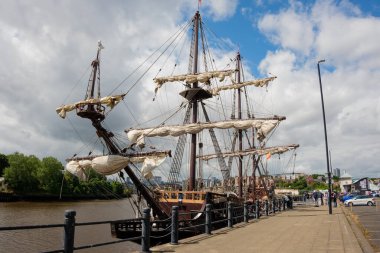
(288, 176)
(361, 185)
(336, 172)
(157, 179)
(345, 182)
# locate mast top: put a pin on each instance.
(93, 111)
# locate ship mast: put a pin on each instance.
(95, 113)
(193, 147)
(240, 135)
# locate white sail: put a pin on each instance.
(263, 126)
(109, 101)
(257, 83)
(263, 151)
(111, 164)
(78, 168)
(192, 78)
(150, 163)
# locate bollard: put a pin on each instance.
(208, 220)
(274, 206)
(291, 202)
(257, 209)
(145, 231)
(266, 207)
(246, 212)
(229, 215)
(279, 205)
(174, 234)
(68, 246)
(284, 205)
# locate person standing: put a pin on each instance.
(319, 198)
(334, 197)
(315, 197)
(321, 195)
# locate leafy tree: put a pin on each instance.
(21, 173)
(70, 183)
(299, 183)
(49, 175)
(28, 174)
(319, 186)
(117, 188)
(3, 163)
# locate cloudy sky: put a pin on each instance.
(47, 46)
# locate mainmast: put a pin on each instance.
(193, 147)
(240, 135)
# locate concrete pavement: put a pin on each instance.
(303, 229)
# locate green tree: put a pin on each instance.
(49, 175)
(117, 188)
(21, 173)
(299, 183)
(3, 163)
(70, 183)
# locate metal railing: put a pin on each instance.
(226, 217)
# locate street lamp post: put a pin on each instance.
(327, 146)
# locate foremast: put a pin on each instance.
(91, 108)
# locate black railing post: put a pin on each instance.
(208, 219)
(274, 206)
(68, 246)
(229, 215)
(257, 209)
(174, 234)
(279, 205)
(266, 207)
(291, 202)
(246, 217)
(284, 205)
(145, 231)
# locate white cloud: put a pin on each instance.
(291, 29)
(346, 39)
(341, 34)
(220, 9)
(47, 46)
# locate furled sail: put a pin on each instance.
(109, 101)
(192, 78)
(111, 164)
(261, 151)
(263, 127)
(258, 83)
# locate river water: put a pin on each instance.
(47, 239)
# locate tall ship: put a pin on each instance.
(209, 145)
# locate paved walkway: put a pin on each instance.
(303, 229)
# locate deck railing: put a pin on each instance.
(227, 217)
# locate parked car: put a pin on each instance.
(360, 200)
(375, 194)
(349, 196)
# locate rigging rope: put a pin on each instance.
(135, 70)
